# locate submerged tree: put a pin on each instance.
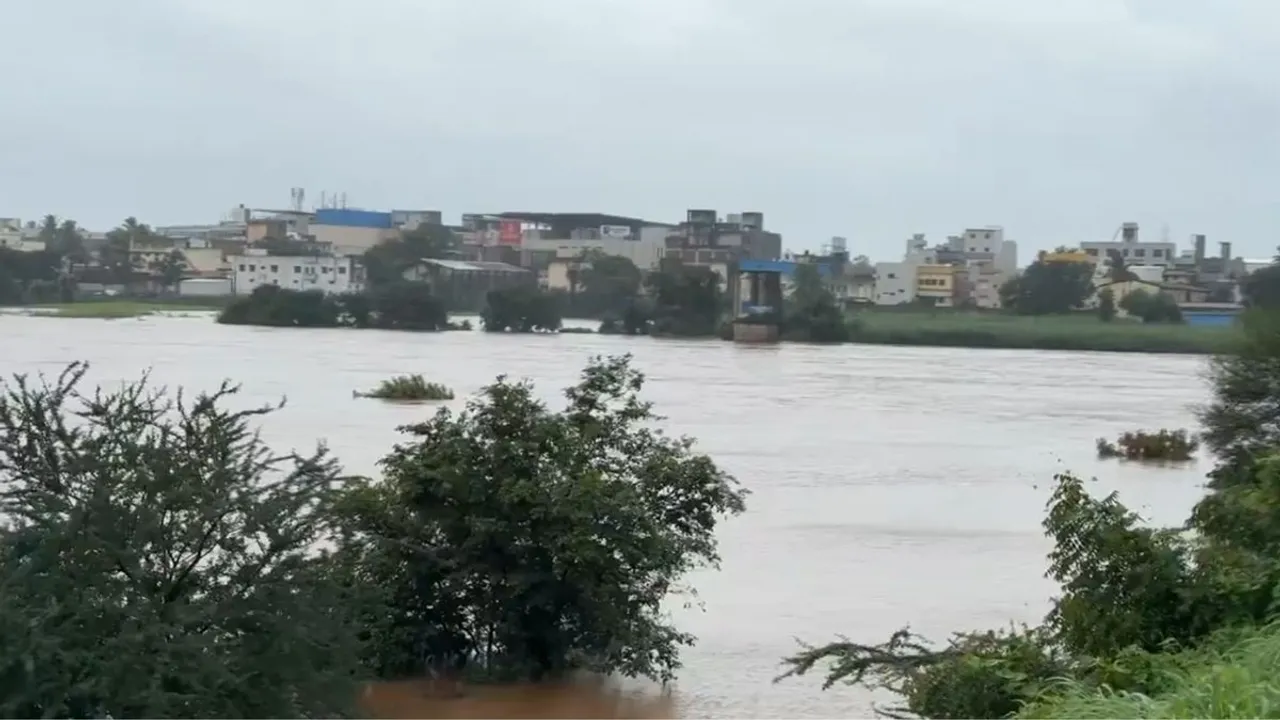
(514, 541)
(159, 560)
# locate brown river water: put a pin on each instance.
(890, 485)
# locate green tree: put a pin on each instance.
(115, 255)
(387, 262)
(1261, 288)
(398, 306)
(610, 285)
(813, 314)
(170, 269)
(1106, 305)
(1151, 307)
(523, 309)
(1047, 287)
(687, 299)
(160, 561)
(518, 542)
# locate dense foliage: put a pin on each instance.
(158, 560)
(511, 540)
(408, 387)
(387, 262)
(1151, 307)
(398, 306)
(1162, 445)
(522, 309)
(1139, 609)
(812, 313)
(687, 299)
(1048, 287)
(31, 277)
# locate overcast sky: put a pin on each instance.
(871, 119)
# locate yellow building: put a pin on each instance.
(937, 282)
(1072, 256)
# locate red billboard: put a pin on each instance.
(509, 232)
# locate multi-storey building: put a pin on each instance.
(327, 273)
(1131, 249)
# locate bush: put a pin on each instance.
(158, 560)
(1173, 445)
(522, 309)
(513, 541)
(408, 387)
(400, 306)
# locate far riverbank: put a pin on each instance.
(936, 328)
(1084, 333)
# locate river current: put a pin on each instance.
(890, 485)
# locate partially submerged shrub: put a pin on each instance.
(1175, 445)
(408, 387)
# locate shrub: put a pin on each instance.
(1168, 445)
(409, 387)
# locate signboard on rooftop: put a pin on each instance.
(615, 231)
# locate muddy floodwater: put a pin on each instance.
(890, 485)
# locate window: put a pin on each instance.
(986, 236)
(324, 270)
(892, 276)
(275, 268)
(1157, 253)
(241, 267)
(252, 268)
(342, 271)
(1139, 252)
(986, 249)
(297, 268)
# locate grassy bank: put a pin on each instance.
(1226, 679)
(115, 308)
(1072, 332)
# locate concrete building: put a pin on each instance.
(463, 284)
(542, 239)
(896, 280)
(352, 232)
(231, 226)
(936, 284)
(707, 240)
(13, 238)
(1133, 250)
(327, 273)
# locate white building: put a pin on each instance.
(328, 273)
(1134, 251)
(896, 280)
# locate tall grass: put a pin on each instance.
(1239, 679)
(1081, 332)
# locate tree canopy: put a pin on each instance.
(521, 308)
(515, 541)
(1049, 287)
(160, 560)
(386, 262)
(687, 299)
